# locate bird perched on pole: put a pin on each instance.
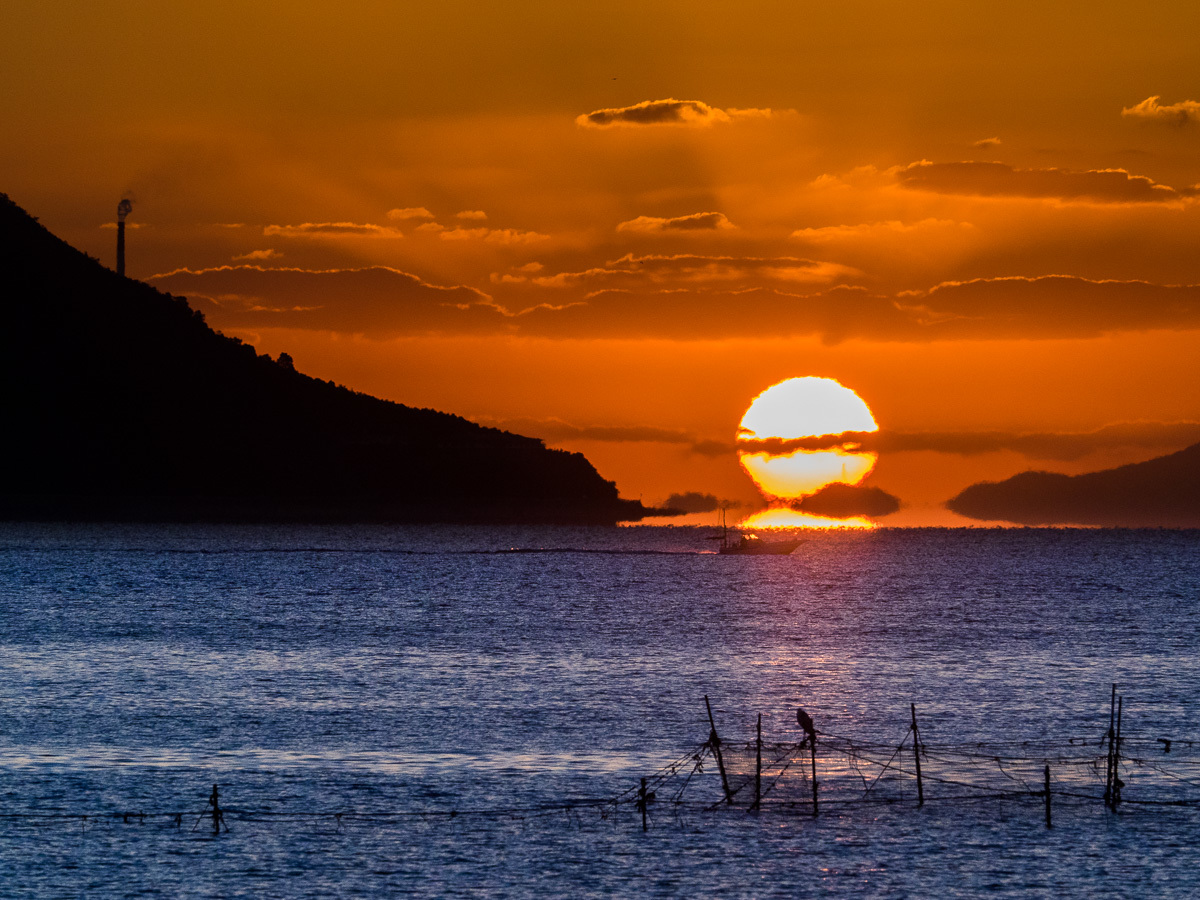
(804, 720)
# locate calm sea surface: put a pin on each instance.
(393, 675)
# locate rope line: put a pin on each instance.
(851, 771)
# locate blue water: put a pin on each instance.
(384, 672)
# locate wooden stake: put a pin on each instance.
(642, 803)
(216, 812)
(758, 765)
(812, 740)
(1116, 760)
(1048, 795)
(715, 743)
(917, 755)
(1108, 774)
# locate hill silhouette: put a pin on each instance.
(121, 403)
(1161, 492)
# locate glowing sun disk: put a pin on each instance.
(805, 408)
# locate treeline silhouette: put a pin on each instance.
(1161, 492)
(121, 403)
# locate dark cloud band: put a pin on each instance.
(687, 298)
(992, 179)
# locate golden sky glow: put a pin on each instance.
(611, 225)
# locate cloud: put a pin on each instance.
(376, 300)
(837, 234)
(489, 235)
(1183, 113)
(1063, 446)
(258, 256)
(1055, 445)
(705, 221)
(1162, 492)
(713, 449)
(555, 430)
(660, 112)
(845, 501)
(506, 236)
(698, 298)
(330, 229)
(686, 269)
(987, 143)
(1059, 446)
(696, 502)
(756, 113)
(409, 212)
(687, 297)
(477, 214)
(707, 313)
(1049, 306)
(992, 179)
(851, 441)
(516, 274)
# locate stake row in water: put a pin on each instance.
(1113, 782)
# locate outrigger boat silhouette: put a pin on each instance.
(752, 544)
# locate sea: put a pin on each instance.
(468, 712)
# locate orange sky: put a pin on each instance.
(612, 225)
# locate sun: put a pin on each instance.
(803, 434)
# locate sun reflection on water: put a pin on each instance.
(786, 517)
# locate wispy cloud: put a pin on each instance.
(490, 235)
(1185, 112)
(688, 269)
(476, 214)
(836, 234)
(559, 430)
(991, 179)
(375, 300)
(695, 113)
(987, 143)
(258, 256)
(409, 212)
(330, 229)
(704, 221)
(1059, 446)
(516, 274)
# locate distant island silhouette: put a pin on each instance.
(1162, 492)
(122, 404)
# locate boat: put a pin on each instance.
(752, 544)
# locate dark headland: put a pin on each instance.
(120, 403)
(1160, 493)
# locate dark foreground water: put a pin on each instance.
(384, 673)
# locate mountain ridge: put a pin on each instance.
(122, 403)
